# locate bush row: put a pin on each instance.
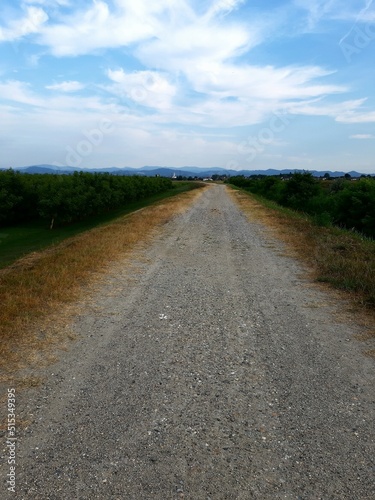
(62, 199)
(345, 203)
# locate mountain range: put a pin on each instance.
(187, 171)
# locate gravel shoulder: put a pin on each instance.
(210, 368)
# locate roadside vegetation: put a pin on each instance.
(63, 199)
(38, 285)
(24, 237)
(342, 258)
(343, 202)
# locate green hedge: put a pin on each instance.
(62, 199)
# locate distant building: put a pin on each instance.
(174, 176)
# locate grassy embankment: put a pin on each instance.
(339, 258)
(37, 285)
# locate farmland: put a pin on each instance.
(39, 210)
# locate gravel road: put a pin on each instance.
(211, 368)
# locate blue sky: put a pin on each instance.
(224, 83)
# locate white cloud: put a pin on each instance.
(172, 37)
(148, 88)
(19, 92)
(173, 26)
(266, 82)
(70, 86)
(317, 9)
(367, 13)
(321, 10)
(196, 44)
(33, 21)
(357, 117)
(222, 7)
(362, 136)
(343, 112)
(98, 28)
(316, 107)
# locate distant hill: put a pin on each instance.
(188, 171)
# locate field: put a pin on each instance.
(23, 238)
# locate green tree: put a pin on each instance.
(300, 189)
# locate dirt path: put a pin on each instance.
(210, 370)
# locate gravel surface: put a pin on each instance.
(210, 369)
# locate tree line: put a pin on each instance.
(63, 199)
(346, 203)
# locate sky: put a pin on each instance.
(211, 83)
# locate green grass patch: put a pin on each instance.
(18, 241)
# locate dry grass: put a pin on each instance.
(337, 258)
(35, 287)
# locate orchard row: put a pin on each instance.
(62, 199)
